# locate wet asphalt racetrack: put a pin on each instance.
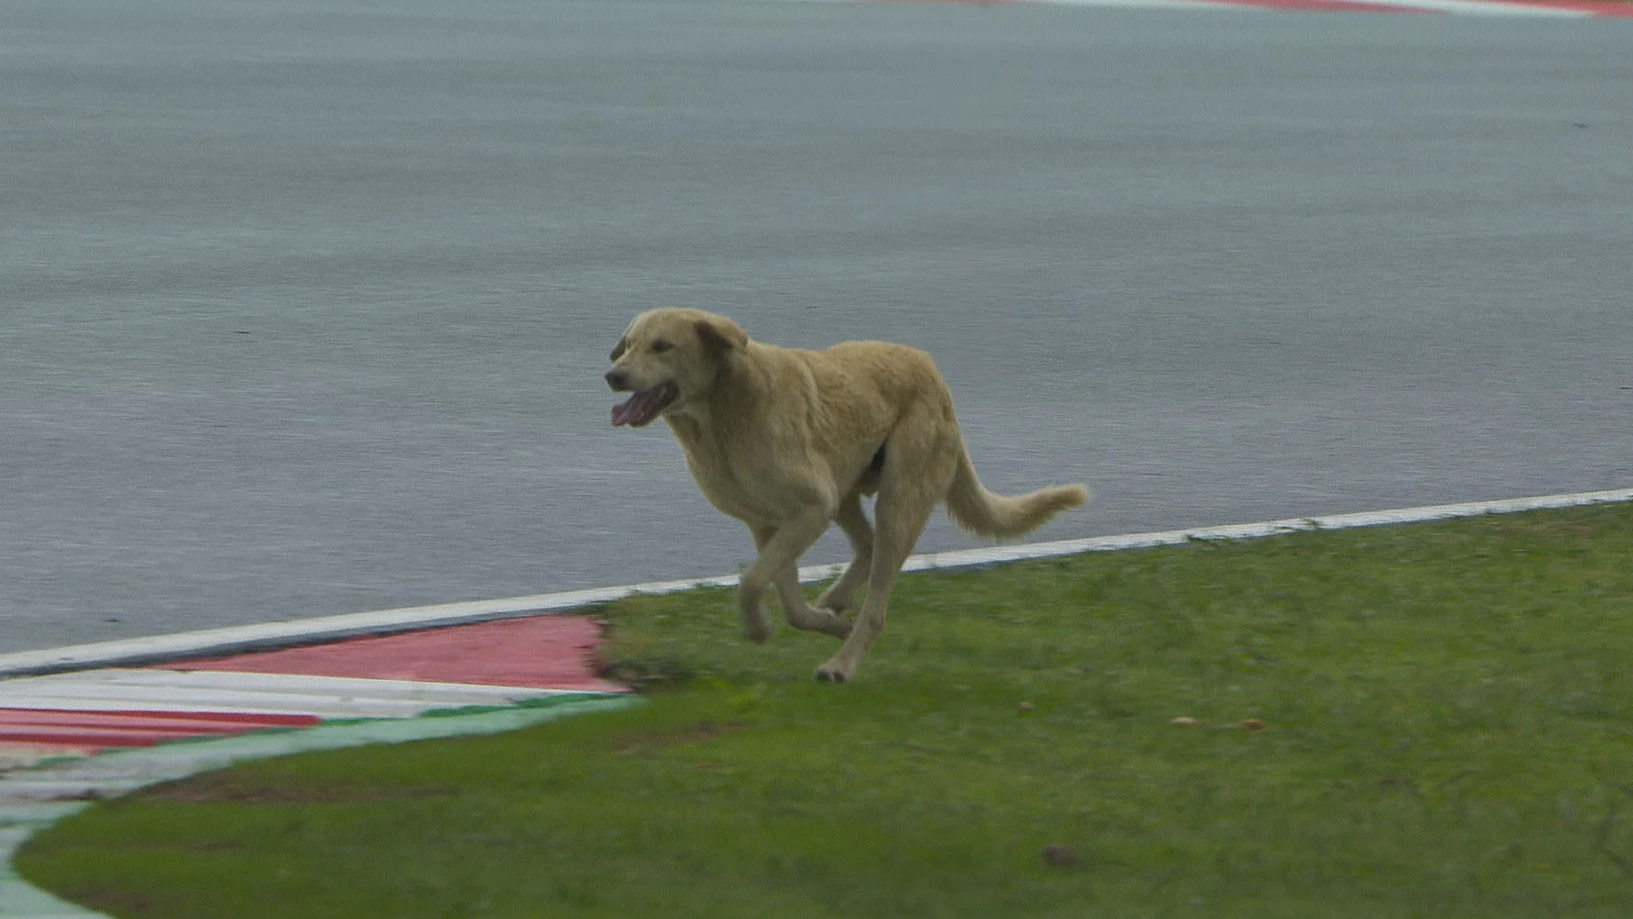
(304, 306)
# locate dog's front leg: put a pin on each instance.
(780, 550)
(751, 592)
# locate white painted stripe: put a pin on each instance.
(977, 557)
(252, 693)
(1455, 7)
(22, 757)
(242, 681)
(239, 639)
(149, 699)
(331, 628)
(1483, 8)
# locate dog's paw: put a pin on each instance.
(835, 671)
(756, 627)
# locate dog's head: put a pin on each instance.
(669, 359)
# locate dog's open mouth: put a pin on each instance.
(644, 406)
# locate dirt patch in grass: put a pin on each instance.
(647, 674)
(1549, 527)
(630, 742)
(238, 788)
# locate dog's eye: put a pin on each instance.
(660, 346)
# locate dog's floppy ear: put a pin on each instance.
(720, 334)
(618, 349)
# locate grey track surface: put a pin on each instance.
(304, 306)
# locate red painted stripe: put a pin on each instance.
(26, 735)
(96, 730)
(197, 721)
(543, 652)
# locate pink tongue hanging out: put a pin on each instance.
(620, 412)
(639, 408)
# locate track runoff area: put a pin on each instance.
(91, 722)
(479, 656)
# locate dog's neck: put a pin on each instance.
(727, 399)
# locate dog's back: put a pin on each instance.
(888, 375)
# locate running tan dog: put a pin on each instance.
(789, 441)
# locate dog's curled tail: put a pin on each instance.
(1002, 516)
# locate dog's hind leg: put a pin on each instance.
(860, 533)
(918, 469)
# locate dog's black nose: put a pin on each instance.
(618, 380)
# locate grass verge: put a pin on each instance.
(1430, 720)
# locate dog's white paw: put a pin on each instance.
(835, 672)
(756, 627)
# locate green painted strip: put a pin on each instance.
(18, 898)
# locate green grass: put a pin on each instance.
(1448, 732)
